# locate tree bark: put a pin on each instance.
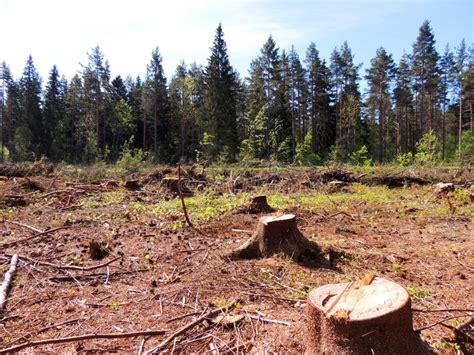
(275, 235)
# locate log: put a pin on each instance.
(275, 235)
(442, 188)
(367, 317)
(7, 281)
(175, 184)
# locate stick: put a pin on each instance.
(189, 326)
(182, 198)
(7, 280)
(81, 337)
(34, 229)
(442, 310)
(39, 234)
(266, 320)
(434, 324)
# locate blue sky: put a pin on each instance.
(61, 32)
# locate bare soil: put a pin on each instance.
(167, 274)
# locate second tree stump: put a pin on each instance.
(374, 317)
(275, 235)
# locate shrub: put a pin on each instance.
(405, 159)
(304, 153)
(427, 149)
(361, 157)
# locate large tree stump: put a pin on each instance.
(371, 317)
(275, 235)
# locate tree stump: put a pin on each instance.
(361, 318)
(174, 184)
(259, 204)
(275, 235)
(97, 250)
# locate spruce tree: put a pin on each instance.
(53, 113)
(220, 99)
(29, 133)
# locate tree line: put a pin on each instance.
(289, 109)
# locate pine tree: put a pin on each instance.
(379, 77)
(404, 111)
(446, 65)
(220, 99)
(319, 86)
(12, 112)
(74, 129)
(96, 83)
(347, 98)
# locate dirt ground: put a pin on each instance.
(165, 275)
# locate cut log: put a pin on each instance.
(275, 235)
(367, 317)
(7, 281)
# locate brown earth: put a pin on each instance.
(164, 278)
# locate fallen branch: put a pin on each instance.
(182, 198)
(443, 310)
(81, 337)
(434, 324)
(34, 229)
(267, 320)
(67, 267)
(7, 280)
(39, 234)
(189, 326)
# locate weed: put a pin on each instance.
(418, 293)
(114, 306)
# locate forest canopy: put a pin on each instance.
(292, 108)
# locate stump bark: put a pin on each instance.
(358, 318)
(275, 235)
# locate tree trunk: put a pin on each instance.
(371, 316)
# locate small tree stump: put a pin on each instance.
(275, 235)
(358, 318)
(174, 184)
(132, 185)
(97, 250)
(259, 204)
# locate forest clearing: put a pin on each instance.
(153, 283)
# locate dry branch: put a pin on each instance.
(188, 326)
(67, 267)
(180, 191)
(81, 337)
(39, 234)
(7, 280)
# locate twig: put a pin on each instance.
(34, 229)
(81, 337)
(67, 267)
(58, 324)
(189, 326)
(266, 320)
(39, 234)
(7, 280)
(182, 198)
(182, 316)
(434, 324)
(442, 310)
(142, 345)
